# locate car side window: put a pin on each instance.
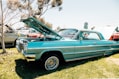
(90, 36)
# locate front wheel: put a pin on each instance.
(51, 62)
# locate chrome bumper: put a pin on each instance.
(28, 57)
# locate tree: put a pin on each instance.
(116, 29)
(92, 28)
(44, 22)
(86, 25)
(25, 8)
(48, 24)
(2, 26)
(40, 8)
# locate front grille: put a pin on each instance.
(22, 45)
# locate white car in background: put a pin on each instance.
(28, 32)
(10, 36)
(25, 31)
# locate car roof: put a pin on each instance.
(78, 29)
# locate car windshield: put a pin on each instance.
(69, 33)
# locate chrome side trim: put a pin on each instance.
(90, 56)
(103, 50)
(82, 58)
(71, 46)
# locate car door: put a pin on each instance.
(88, 44)
(10, 37)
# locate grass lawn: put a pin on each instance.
(14, 66)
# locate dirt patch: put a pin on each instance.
(113, 60)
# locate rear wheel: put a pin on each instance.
(51, 62)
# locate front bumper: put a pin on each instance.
(21, 47)
(30, 57)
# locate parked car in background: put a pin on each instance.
(115, 35)
(10, 36)
(23, 31)
(28, 32)
(53, 49)
(34, 33)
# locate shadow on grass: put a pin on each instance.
(31, 70)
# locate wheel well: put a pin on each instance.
(58, 53)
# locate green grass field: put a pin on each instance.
(14, 66)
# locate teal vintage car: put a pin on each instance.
(52, 49)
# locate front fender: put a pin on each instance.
(48, 51)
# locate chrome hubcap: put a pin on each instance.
(51, 63)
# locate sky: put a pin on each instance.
(75, 13)
(103, 14)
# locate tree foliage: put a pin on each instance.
(40, 7)
(86, 25)
(44, 22)
(35, 8)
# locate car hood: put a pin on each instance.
(39, 26)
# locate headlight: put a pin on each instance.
(20, 41)
(22, 44)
